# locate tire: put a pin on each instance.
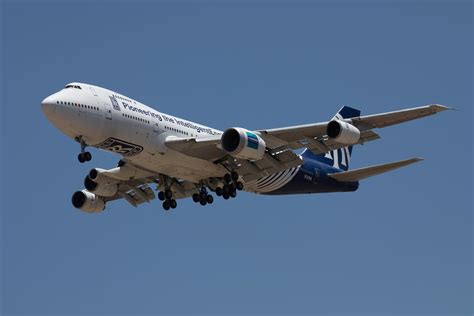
(196, 198)
(81, 158)
(227, 178)
(219, 191)
(173, 203)
(234, 175)
(202, 195)
(232, 187)
(233, 194)
(225, 189)
(225, 196)
(209, 199)
(203, 202)
(166, 205)
(87, 156)
(168, 194)
(161, 196)
(239, 185)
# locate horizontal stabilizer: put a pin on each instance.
(362, 173)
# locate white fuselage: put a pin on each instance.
(110, 121)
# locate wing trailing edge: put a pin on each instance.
(362, 173)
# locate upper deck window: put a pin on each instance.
(72, 86)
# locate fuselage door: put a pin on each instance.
(93, 91)
(316, 176)
(108, 111)
(156, 127)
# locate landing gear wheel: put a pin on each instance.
(84, 155)
(81, 158)
(232, 187)
(161, 196)
(227, 178)
(202, 195)
(234, 175)
(225, 196)
(168, 194)
(209, 199)
(166, 205)
(225, 189)
(173, 204)
(218, 191)
(233, 194)
(196, 198)
(203, 202)
(239, 185)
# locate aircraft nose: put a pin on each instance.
(48, 105)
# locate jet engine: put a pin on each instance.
(343, 132)
(241, 143)
(101, 188)
(88, 202)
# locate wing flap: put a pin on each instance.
(362, 173)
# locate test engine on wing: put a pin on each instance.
(241, 143)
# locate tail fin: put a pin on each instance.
(337, 158)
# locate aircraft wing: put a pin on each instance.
(313, 136)
(206, 148)
(396, 117)
(133, 184)
(133, 194)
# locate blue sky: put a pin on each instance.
(400, 245)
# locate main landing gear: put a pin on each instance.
(203, 197)
(167, 198)
(84, 155)
(231, 186)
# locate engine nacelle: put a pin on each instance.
(103, 188)
(343, 132)
(115, 175)
(241, 143)
(88, 202)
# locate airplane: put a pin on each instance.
(184, 159)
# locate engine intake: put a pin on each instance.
(343, 132)
(87, 202)
(241, 143)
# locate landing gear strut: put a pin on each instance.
(84, 155)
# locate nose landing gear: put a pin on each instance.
(84, 155)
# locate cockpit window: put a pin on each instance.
(72, 86)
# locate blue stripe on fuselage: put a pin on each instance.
(312, 178)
